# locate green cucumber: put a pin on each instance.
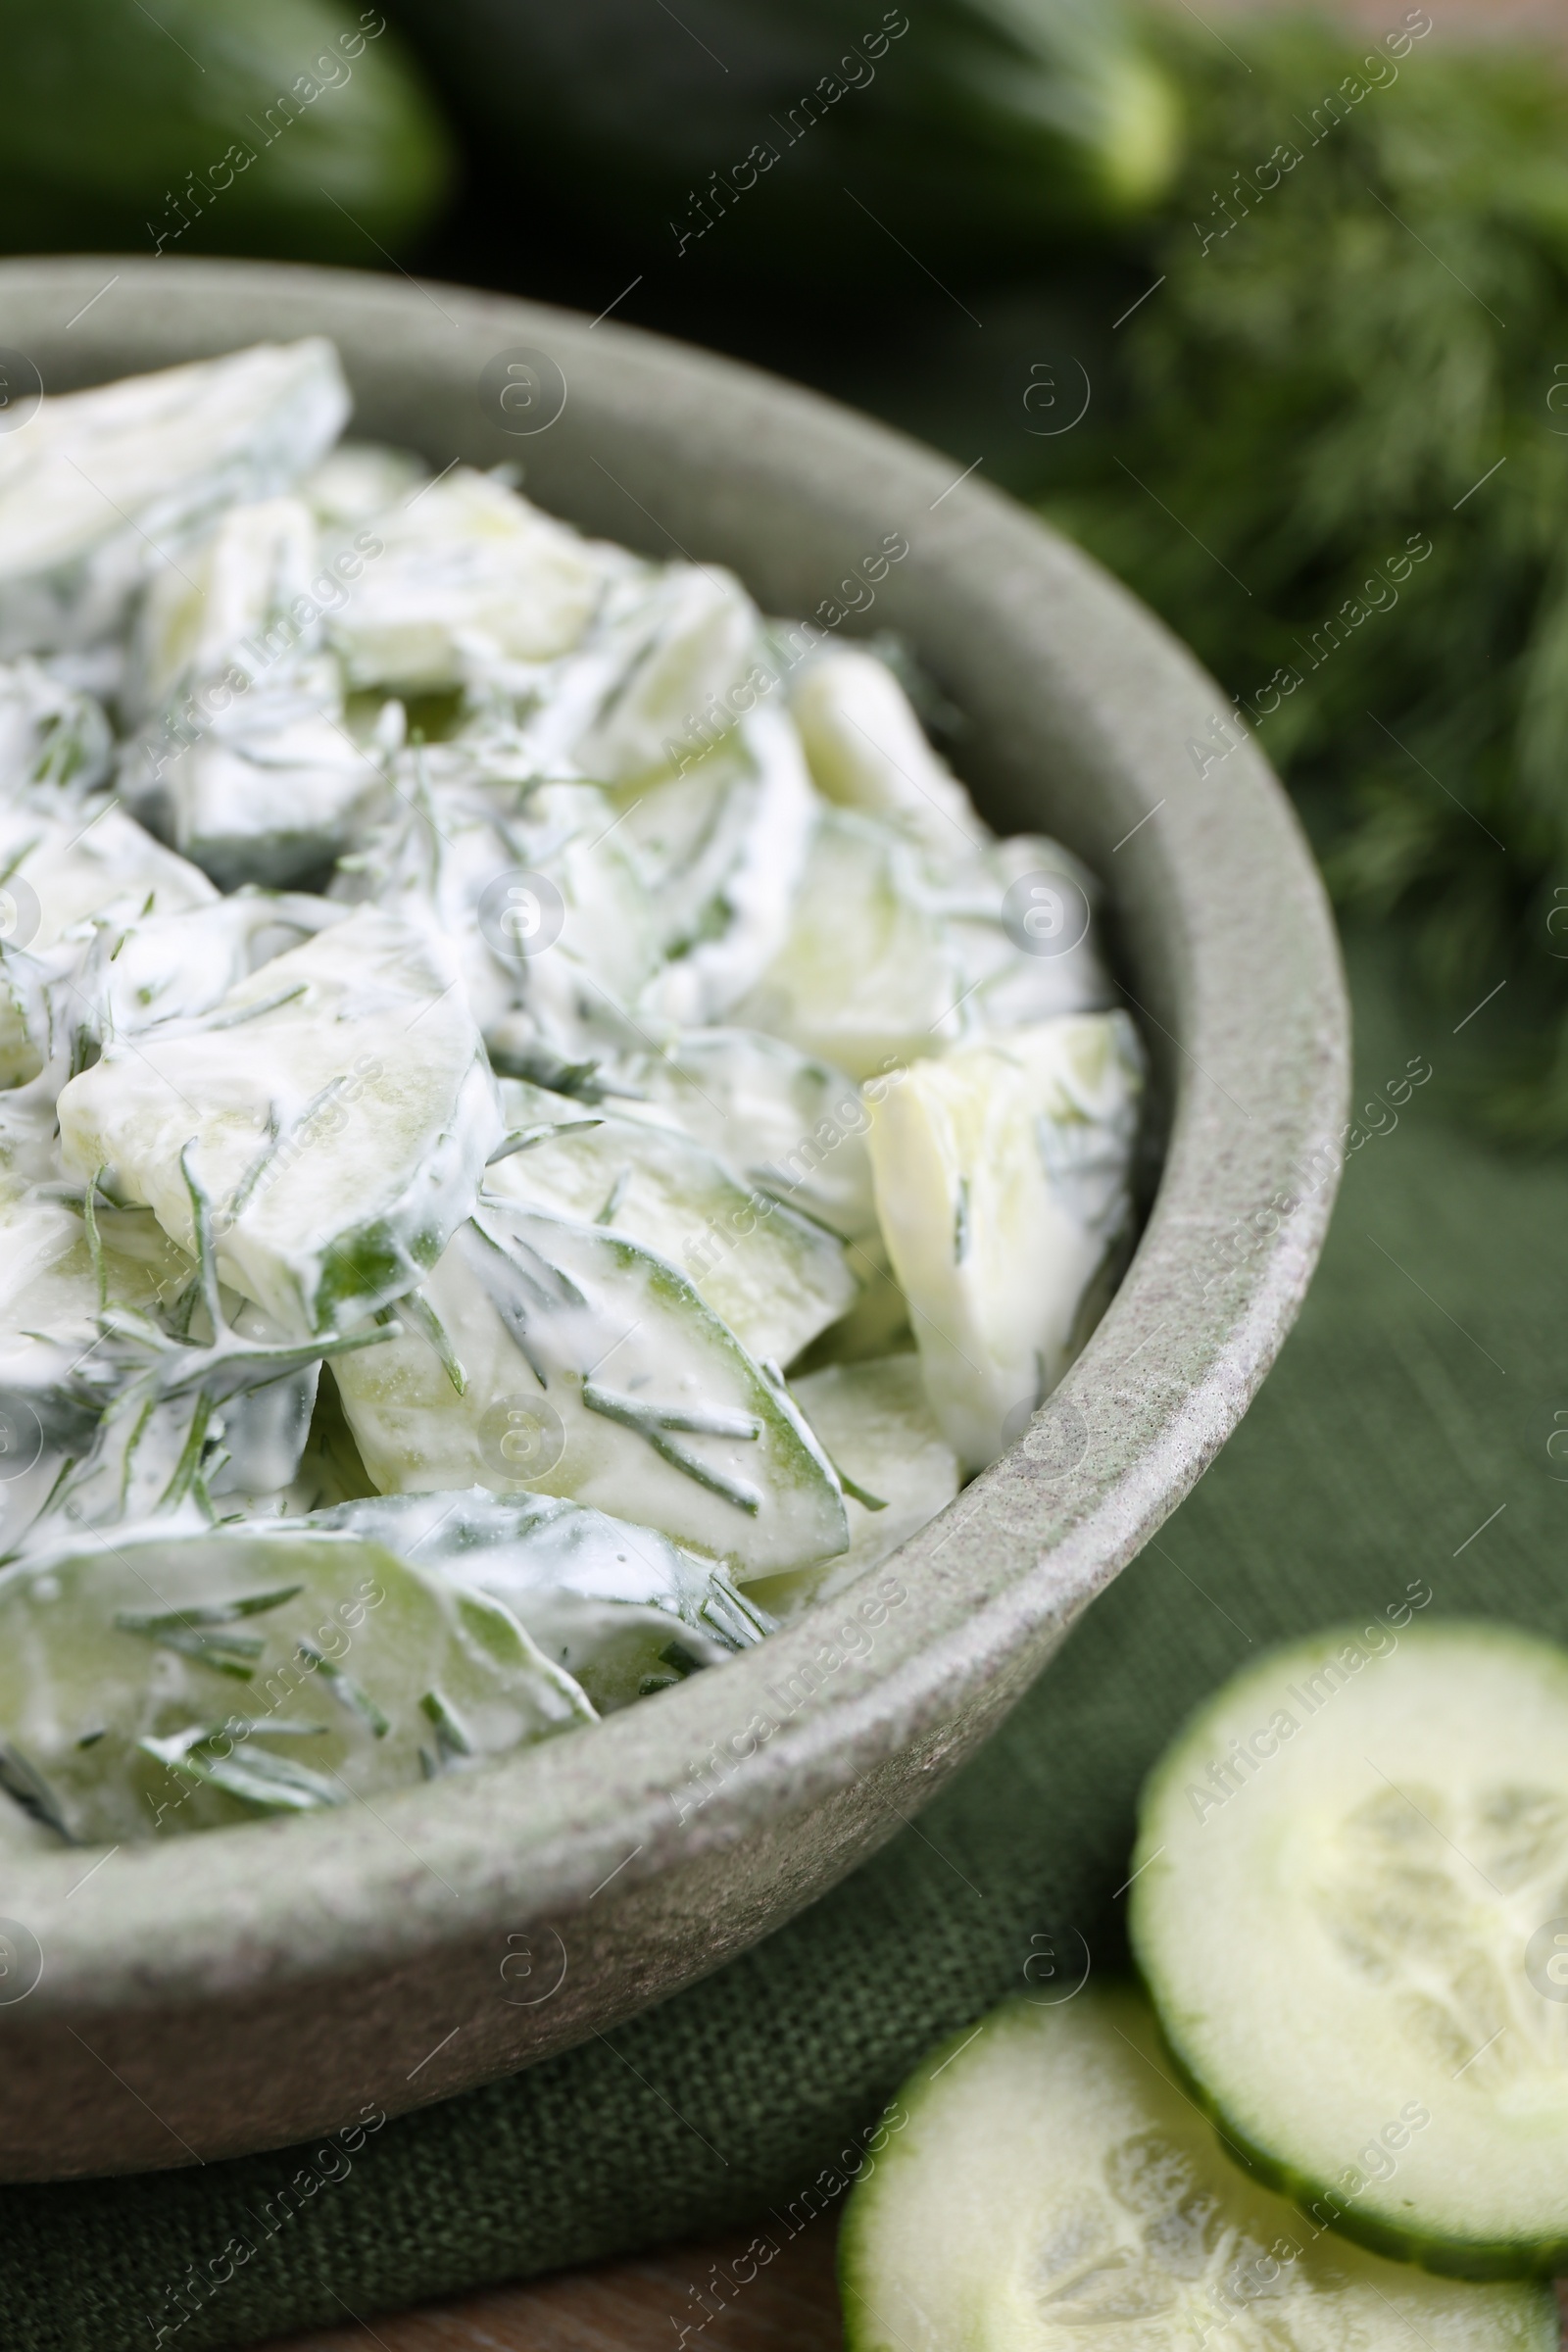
(973, 129)
(793, 1126)
(154, 1686)
(896, 1470)
(1042, 2183)
(1350, 1902)
(466, 572)
(621, 1608)
(566, 1359)
(866, 976)
(724, 846)
(99, 473)
(866, 749)
(286, 127)
(463, 831)
(75, 868)
(683, 646)
(337, 1108)
(775, 1278)
(54, 1374)
(245, 761)
(1001, 1184)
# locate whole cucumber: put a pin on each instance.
(809, 129)
(291, 128)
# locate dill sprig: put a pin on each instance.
(1355, 352)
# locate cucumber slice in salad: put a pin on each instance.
(54, 1377)
(65, 880)
(153, 1687)
(468, 571)
(621, 1608)
(56, 741)
(793, 1126)
(867, 750)
(1351, 1894)
(462, 834)
(685, 648)
(1002, 1183)
(103, 478)
(742, 819)
(1043, 2184)
(563, 1358)
(775, 1278)
(896, 1469)
(79, 861)
(866, 976)
(336, 1109)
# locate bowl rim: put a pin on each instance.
(1256, 1034)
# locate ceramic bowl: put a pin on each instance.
(241, 1990)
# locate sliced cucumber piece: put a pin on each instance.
(78, 865)
(895, 1466)
(989, 903)
(467, 858)
(339, 1111)
(52, 1291)
(246, 761)
(683, 651)
(220, 605)
(792, 1125)
(102, 479)
(178, 967)
(566, 1359)
(357, 482)
(1000, 1181)
(1042, 2183)
(191, 1388)
(775, 1278)
(58, 873)
(55, 1375)
(724, 849)
(150, 1687)
(867, 750)
(574, 995)
(56, 743)
(619, 1607)
(866, 977)
(1351, 1904)
(272, 786)
(470, 574)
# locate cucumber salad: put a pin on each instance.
(539, 1132)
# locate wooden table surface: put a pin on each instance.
(640, 2305)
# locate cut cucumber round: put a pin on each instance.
(1043, 2184)
(1351, 1906)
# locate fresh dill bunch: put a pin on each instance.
(1359, 350)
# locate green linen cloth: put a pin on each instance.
(1406, 1439)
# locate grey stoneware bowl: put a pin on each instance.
(237, 1990)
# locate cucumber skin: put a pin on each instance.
(955, 146)
(117, 113)
(1481, 2260)
(858, 2317)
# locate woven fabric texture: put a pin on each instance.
(1413, 1407)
